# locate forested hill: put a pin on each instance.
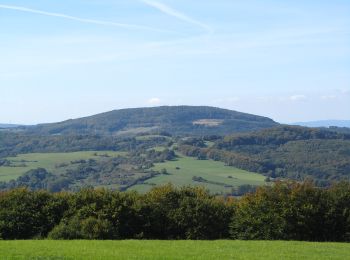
(281, 135)
(8, 125)
(176, 120)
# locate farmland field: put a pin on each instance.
(26, 162)
(181, 172)
(135, 249)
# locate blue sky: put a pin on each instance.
(60, 59)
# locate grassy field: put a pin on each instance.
(134, 249)
(45, 160)
(181, 172)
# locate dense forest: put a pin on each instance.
(284, 211)
(17, 143)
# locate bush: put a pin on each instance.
(25, 214)
(186, 213)
(90, 228)
(285, 211)
(99, 209)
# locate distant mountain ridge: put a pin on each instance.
(325, 123)
(176, 120)
(8, 125)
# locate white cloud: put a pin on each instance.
(297, 97)
(78, 19)
(328, 97)
(226, 100)
(154, 101)
(174, 13)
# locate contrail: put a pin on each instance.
(172, 12)
(82, 20)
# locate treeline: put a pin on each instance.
(284, 211)
(281, 135)
(12, 144)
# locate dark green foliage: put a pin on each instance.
(284, 211)
(244, 189)
(187, 213)
(25, 214)
(338, 219)
(293, 211)
(37, 179)
(99, 214)
(344, 130)
(89, 228)
(17, 143)
(201, 179)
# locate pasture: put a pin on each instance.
(213, 175)
(219, 177)
(137, 249)
(25, 162)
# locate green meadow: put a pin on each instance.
(137, 249)
(216, 177)
(180, 172)
(49, 161)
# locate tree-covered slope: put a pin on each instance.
(177, 120)
(284, 152)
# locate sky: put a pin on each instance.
(61, 59)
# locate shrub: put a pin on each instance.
(25, 214)
(186, 213)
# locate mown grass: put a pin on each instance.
(182, 170)
(137, 249)
(46, 160)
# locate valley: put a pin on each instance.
(139, 149)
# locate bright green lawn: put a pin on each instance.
(135, 249)
(207, 169)
(47, 161)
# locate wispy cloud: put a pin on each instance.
(177, 14)
(329, 97)
(226, 100)
(82, 20)
(297, 97)
(344, 91)
(154, 101)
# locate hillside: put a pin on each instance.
(284, 152)
(176, 120)
(325, 123)
(155, 144)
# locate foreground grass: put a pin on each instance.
(182, 170)
(135, 249)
